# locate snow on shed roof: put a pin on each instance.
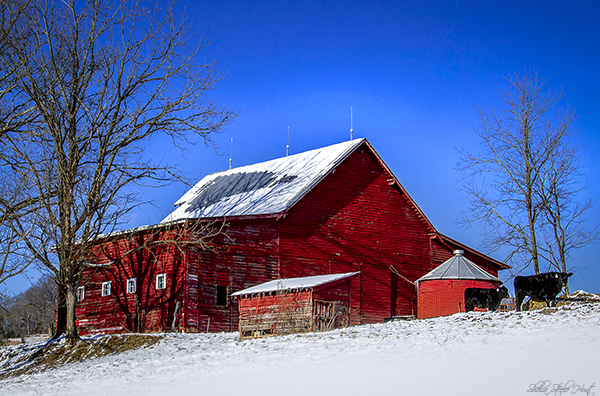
(458, 267)
(306, 282)
(264, 188)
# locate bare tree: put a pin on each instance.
(102, 78)
(522, 184)
(15, 257)
(564, 215)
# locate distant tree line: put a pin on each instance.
(31, 312)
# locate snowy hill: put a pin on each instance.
(463, 354)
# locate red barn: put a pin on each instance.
(337, 209)
(442, 291)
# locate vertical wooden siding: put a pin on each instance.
(276, 314)
(341, 296)
(294, 311)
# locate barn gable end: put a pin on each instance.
(356, 220)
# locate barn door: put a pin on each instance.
(324, 315)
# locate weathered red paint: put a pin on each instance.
(358, 218)
(322, 307)
(441, 297)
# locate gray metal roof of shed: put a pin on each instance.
(306, 282)
(458, 267)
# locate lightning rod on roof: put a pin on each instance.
(351, 130)
(287, 146)
(230, 152)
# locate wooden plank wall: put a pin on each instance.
(245, 257)
(276, 314)
(340, 295)
(192, 272)
(148, 309)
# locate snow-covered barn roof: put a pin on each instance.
(458, 267)
(273, 187)
(306, 282)
(264, 188)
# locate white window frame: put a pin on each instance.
(80, 293)
(161, 281)
(131, 285)
(106, 288)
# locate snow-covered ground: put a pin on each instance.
(463, 354)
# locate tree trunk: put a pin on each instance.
(529, 177)
(564, 269)
(533, 250)
(71, 328)
(61, 311)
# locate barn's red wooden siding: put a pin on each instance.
(356, 219)
(276, 314)
(341, 295)
(148, 309)
(244, 256)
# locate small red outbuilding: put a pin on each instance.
(295, 305)
(442, 291)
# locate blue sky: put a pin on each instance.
(414, 74)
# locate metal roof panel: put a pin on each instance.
(458, 267)
(306, 282)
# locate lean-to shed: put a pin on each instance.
(295, 305)
(442, 291)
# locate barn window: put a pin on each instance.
(222, 294)
(80, 293)
(131, 285)
(106, 289)
(161, 281)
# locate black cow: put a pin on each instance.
(484, 298)
(542, 286)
